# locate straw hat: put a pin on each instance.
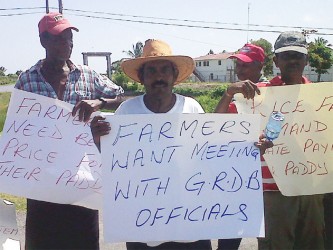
(158, 50)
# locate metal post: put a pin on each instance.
(60, 6)
(248, 22)
(108, 66)
(47, 6)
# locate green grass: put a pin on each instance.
(4, 101)
(20, 203)
(10, 79)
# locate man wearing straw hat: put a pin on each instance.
(158, 70)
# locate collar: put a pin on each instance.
(276, 81)
(39, 64)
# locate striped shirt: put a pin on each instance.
(83, 83)
(269, 183)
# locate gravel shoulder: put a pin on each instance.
(246, 244)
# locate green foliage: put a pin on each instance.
(208, 98)
(4, 102)
(2, 71)
(20, 202)
(208, 103)
(268, 48)
(10, 79)
(136, 51)
(320, 56)
(131, 86)
(120, 78)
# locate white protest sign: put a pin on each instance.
(47, 154)
(181, 177)
(8, 224)
(301, 160)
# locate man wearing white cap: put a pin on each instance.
(292, 222)
(62, 226)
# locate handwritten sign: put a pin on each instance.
(302, 159)
(47, 154)
(170, 177)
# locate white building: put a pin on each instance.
(311, 74)
(215, 68)
(218, 68)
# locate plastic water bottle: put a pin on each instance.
(274, 126)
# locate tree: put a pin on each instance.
(137, 50)
(18, 72)
(2, 71)
(211, 52)
(320, 56)
(268, 48)
(118, 76)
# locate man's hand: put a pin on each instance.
(263, 144)
(86, 108)
(247, 88)
(99, 127)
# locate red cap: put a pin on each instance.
(250, 53)
(54, 23)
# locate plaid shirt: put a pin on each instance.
(83, 83)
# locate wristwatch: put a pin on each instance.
(104, 102)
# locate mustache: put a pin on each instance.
(160, 82)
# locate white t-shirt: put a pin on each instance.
(136, 105)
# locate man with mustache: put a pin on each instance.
(292, 222)
(158, 71)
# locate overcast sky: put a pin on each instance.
(229, 25)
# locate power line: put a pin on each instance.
(170, 19)
(21, 14)
(26, 8)
(196, 21)
(186, 25)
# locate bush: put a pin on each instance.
(132, 86)
(208, 103)
(120, 78)
(10, 79)
(4, 102)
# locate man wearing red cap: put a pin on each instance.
(249, 62)
(62, 226)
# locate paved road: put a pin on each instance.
(246, 244)
(6, 88)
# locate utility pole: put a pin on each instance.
(48, 8)
(60, 6)
(248, 22)
(230, 72)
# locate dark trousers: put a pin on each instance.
(60, 226)
(328, 215)
(228, 244)
(197, 245)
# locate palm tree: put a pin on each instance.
(137, 50)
